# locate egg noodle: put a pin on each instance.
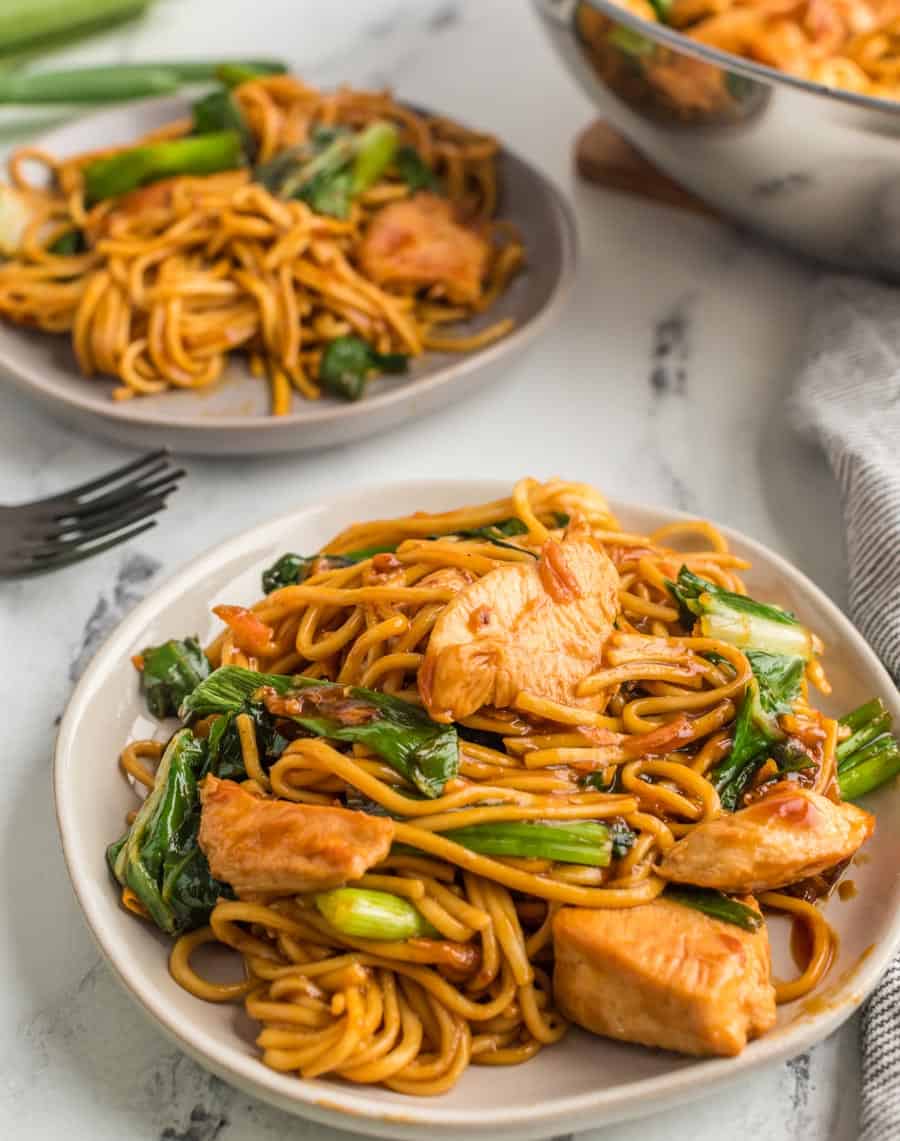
(182, 273)
(658, 714)
(850, 44)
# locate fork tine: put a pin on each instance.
(72, 494)
(122, 496)
(27, 566)
(47, 547)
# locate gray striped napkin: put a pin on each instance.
(848, 397)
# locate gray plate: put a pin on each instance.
(232, 417)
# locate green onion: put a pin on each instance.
(377, 915)
(86, 85)
(107, 84)
(120, 173)
(870, 756)
(575, 842)
(865, 723)
(348, 361)
(26, 22)
(716, 905)
(375, 149)
(874, 765)
(219, 111)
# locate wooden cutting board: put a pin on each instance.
(606, 158)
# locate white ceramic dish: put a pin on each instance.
(585, 1081)
(232, 416)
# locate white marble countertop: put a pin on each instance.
(663, 382)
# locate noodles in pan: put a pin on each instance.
(587, 791)
(158, 286)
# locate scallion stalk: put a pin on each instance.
(114, 82)
(573, 842)
(27, 22)
(377, 915)
(128, 170)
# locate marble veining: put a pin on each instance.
(663, 382)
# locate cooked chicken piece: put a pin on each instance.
(790, 834)
(449, 578)
(664, 975)
(536, 626)
(419, 242)
(261, 846)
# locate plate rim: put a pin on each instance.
(350, 1105)
(311, 416)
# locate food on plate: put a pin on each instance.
(845, 44)
(459, 780)
(663, 975)
(328, 237)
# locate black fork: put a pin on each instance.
(85, 520)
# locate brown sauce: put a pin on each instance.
(801, 944)
(330, 701)
(846, 889)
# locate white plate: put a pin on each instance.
(584, 1081)
(232, 416)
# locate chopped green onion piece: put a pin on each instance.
(377, 915)
(128, 170)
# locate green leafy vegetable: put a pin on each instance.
(69, 243)
(348, 361)
(333, 168)
(778, 679)
(572, 842)
(740, 620)
(415, 171)
(426, 753)
(170, 672)
(128, 170)
(733, 774)
(622, 837)
(291, 569)
(498, 533)
(377, 915)
(715, 904)
(159, 858)
(772, 690)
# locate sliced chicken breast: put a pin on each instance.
(420, 242)
(789, 835)
(537, 627)
(265, 846)
(663, 975)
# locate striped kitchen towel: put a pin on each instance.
(848, 398)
